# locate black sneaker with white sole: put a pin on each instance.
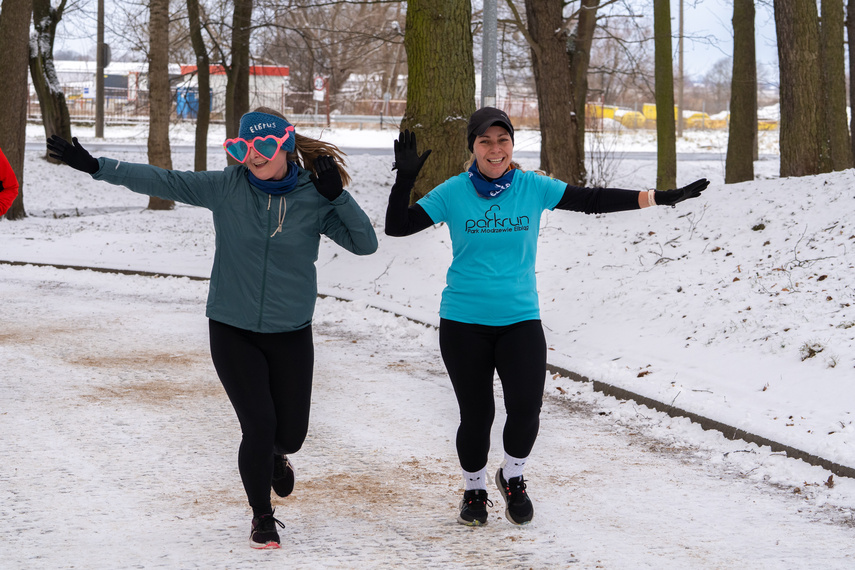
(473, 508)
(283, 475)
(518, 507)
(264, 534)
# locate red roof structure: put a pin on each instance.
(266, 70)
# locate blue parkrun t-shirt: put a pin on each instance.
(491, 280)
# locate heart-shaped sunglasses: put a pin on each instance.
(267, 146)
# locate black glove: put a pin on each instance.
(326, 178)
(74, 155)
(671, 197)
(408, 162)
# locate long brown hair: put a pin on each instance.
(308, 149)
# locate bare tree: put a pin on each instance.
(560, 51)
(580, 59)
(336, 40)
(621, 67)
(160, 99)
(713, 95)
(666, 138)
(393, 57)
(55, 117)
(739, 165)
(556, 104)
(850, 33)
(203, 76)
(237, 72)
(14, 33)
(834, 84)
(440, 85)
(803, 132)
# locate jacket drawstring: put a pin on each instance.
(283, 206)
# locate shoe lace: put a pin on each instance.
(479, 500)
(267, 523)
(515, 489)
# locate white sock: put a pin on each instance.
(476, 480)
(513, 467)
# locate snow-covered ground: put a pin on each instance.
(737, 306)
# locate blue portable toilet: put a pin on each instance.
(187, 104)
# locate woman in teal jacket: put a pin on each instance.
(269, 213)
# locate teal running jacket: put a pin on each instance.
(262, 280)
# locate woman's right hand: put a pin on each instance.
(72, 154)
(408, 162)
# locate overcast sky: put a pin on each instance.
(709, 34)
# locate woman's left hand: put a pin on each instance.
(326, 178)
(72, 153)
(671, 197)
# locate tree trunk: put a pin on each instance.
(834, 84)
(14, 45)
(160, 99)
(237, 80)
(666, 138)
(850, 34)
(440, 85)
(580, 58)
(559, 153)
(203, 70)
(390, 74)
(803, 137)
(55, 116)
(739, 165)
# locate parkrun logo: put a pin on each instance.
(493, 224)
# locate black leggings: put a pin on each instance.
(268, 378)
(471, 354)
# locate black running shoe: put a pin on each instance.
(264, 533)
(518, 507)
(283, 476)
(473, 508)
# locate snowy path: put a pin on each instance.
(119, 451)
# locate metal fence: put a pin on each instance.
(119, 107)
(129, 106)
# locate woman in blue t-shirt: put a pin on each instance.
(489, 314)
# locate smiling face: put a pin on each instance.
(264, 169)
(493, 151)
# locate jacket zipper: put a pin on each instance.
(264, 266)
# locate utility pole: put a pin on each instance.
(680, 94)
(489, 53)
(99, 74)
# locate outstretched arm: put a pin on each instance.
(73, 154)
(673, 197)
(206, 189)
(401, 218)
(605, 200)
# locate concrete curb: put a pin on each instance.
(730, 432)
